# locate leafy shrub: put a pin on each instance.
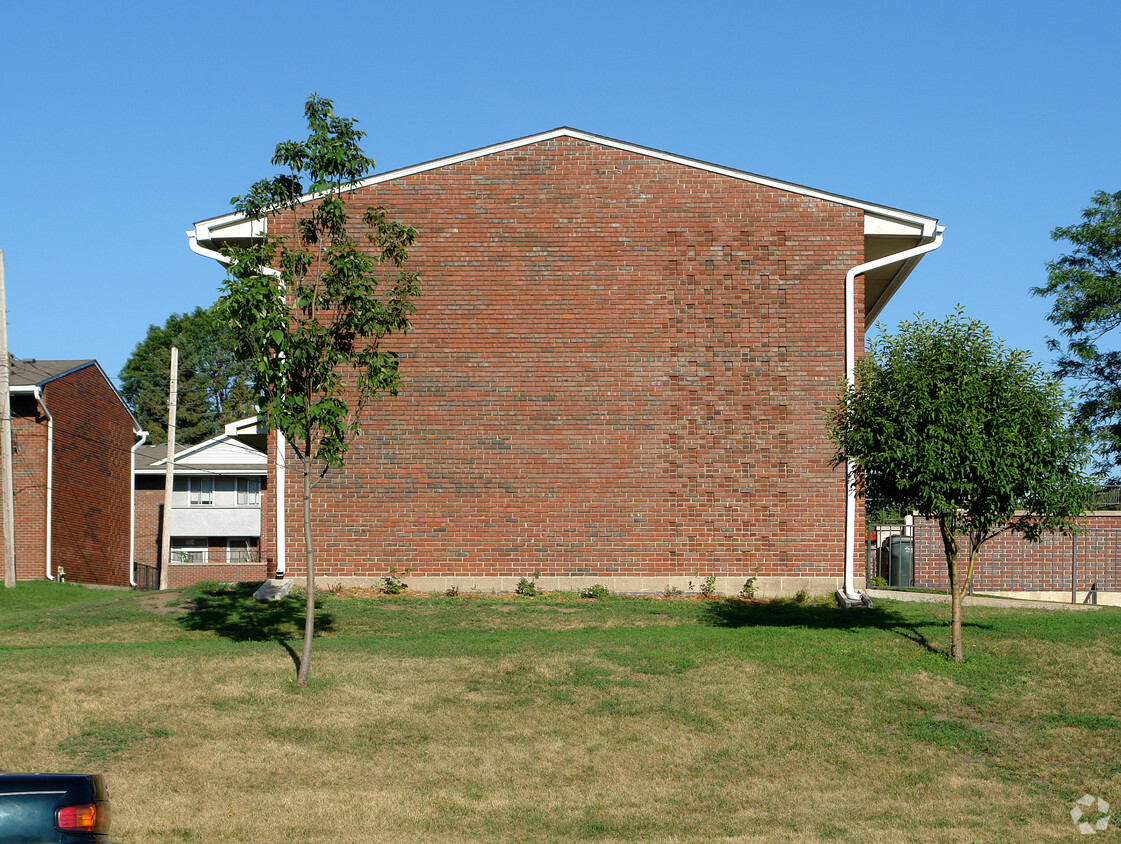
(528, 587)
(748, 590)
(672, 592)
(452, 591)
(596, 591)
(878, 583)
(801, 596)
(392, 584)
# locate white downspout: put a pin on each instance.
(132, 508)
(281, 463)
(281, 442)
(850, 379)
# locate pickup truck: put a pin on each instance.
(53, 809)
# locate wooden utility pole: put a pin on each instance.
(169, 478)
(6, 442)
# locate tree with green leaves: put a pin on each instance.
(1086, 287)
(305, 305)
(945, 422)
(214, 384)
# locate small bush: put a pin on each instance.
(596, 591)
(708, 585)
(878, 583)
(801, 596)
(452, 591)
(392, 584)
(672, 592)
(528, 587)
(748, 590)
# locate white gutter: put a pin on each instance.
(38, 395)
(281, 545)
(132, 508)
(281, 442)
(850, 379)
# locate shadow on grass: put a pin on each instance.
(787, 613)
(233, 613)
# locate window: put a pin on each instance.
(188, 550)
(248, 492)
(201, 492)
(242, 549)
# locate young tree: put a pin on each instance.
(945, 422)
(214, 385)
(305, 306)
(1086, 286)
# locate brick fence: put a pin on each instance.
(1010, 564)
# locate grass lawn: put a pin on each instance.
(484, 718)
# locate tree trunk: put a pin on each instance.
(957, 652)
(958, 586)
(309, 556)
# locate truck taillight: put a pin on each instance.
(86, 817)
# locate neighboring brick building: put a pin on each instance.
(1010, 565)
(216, 512)
(619, 369)
(72, 438)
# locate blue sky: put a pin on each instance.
(124, 123)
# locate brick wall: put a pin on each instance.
(91, 489)
(149, 512)
(1009, 563)
(619, 366)
(216, 568)
(29, 486)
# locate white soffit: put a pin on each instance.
(885, 220)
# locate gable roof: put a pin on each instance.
(221, 455)
(887, 230)
(36, 373)
(25, 374)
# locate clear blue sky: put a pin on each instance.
(124, 123)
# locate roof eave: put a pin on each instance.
(231, 228)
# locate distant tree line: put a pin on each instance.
(215, 386)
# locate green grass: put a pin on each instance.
(487, 718)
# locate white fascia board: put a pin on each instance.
(249, 425)
(251, 455)
(236, 226)
(230, 227)
(901, 224)
(208, 471)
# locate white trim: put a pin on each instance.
(281, 526)
(237, 226)
(210, 443)
(850, 379)
(248, 425)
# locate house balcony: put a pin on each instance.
(216, 521)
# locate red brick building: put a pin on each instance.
(72, 441)
(619, 369)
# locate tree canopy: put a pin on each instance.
(1085, 286)
(945, 422)
(214, 384)
(306, 308)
